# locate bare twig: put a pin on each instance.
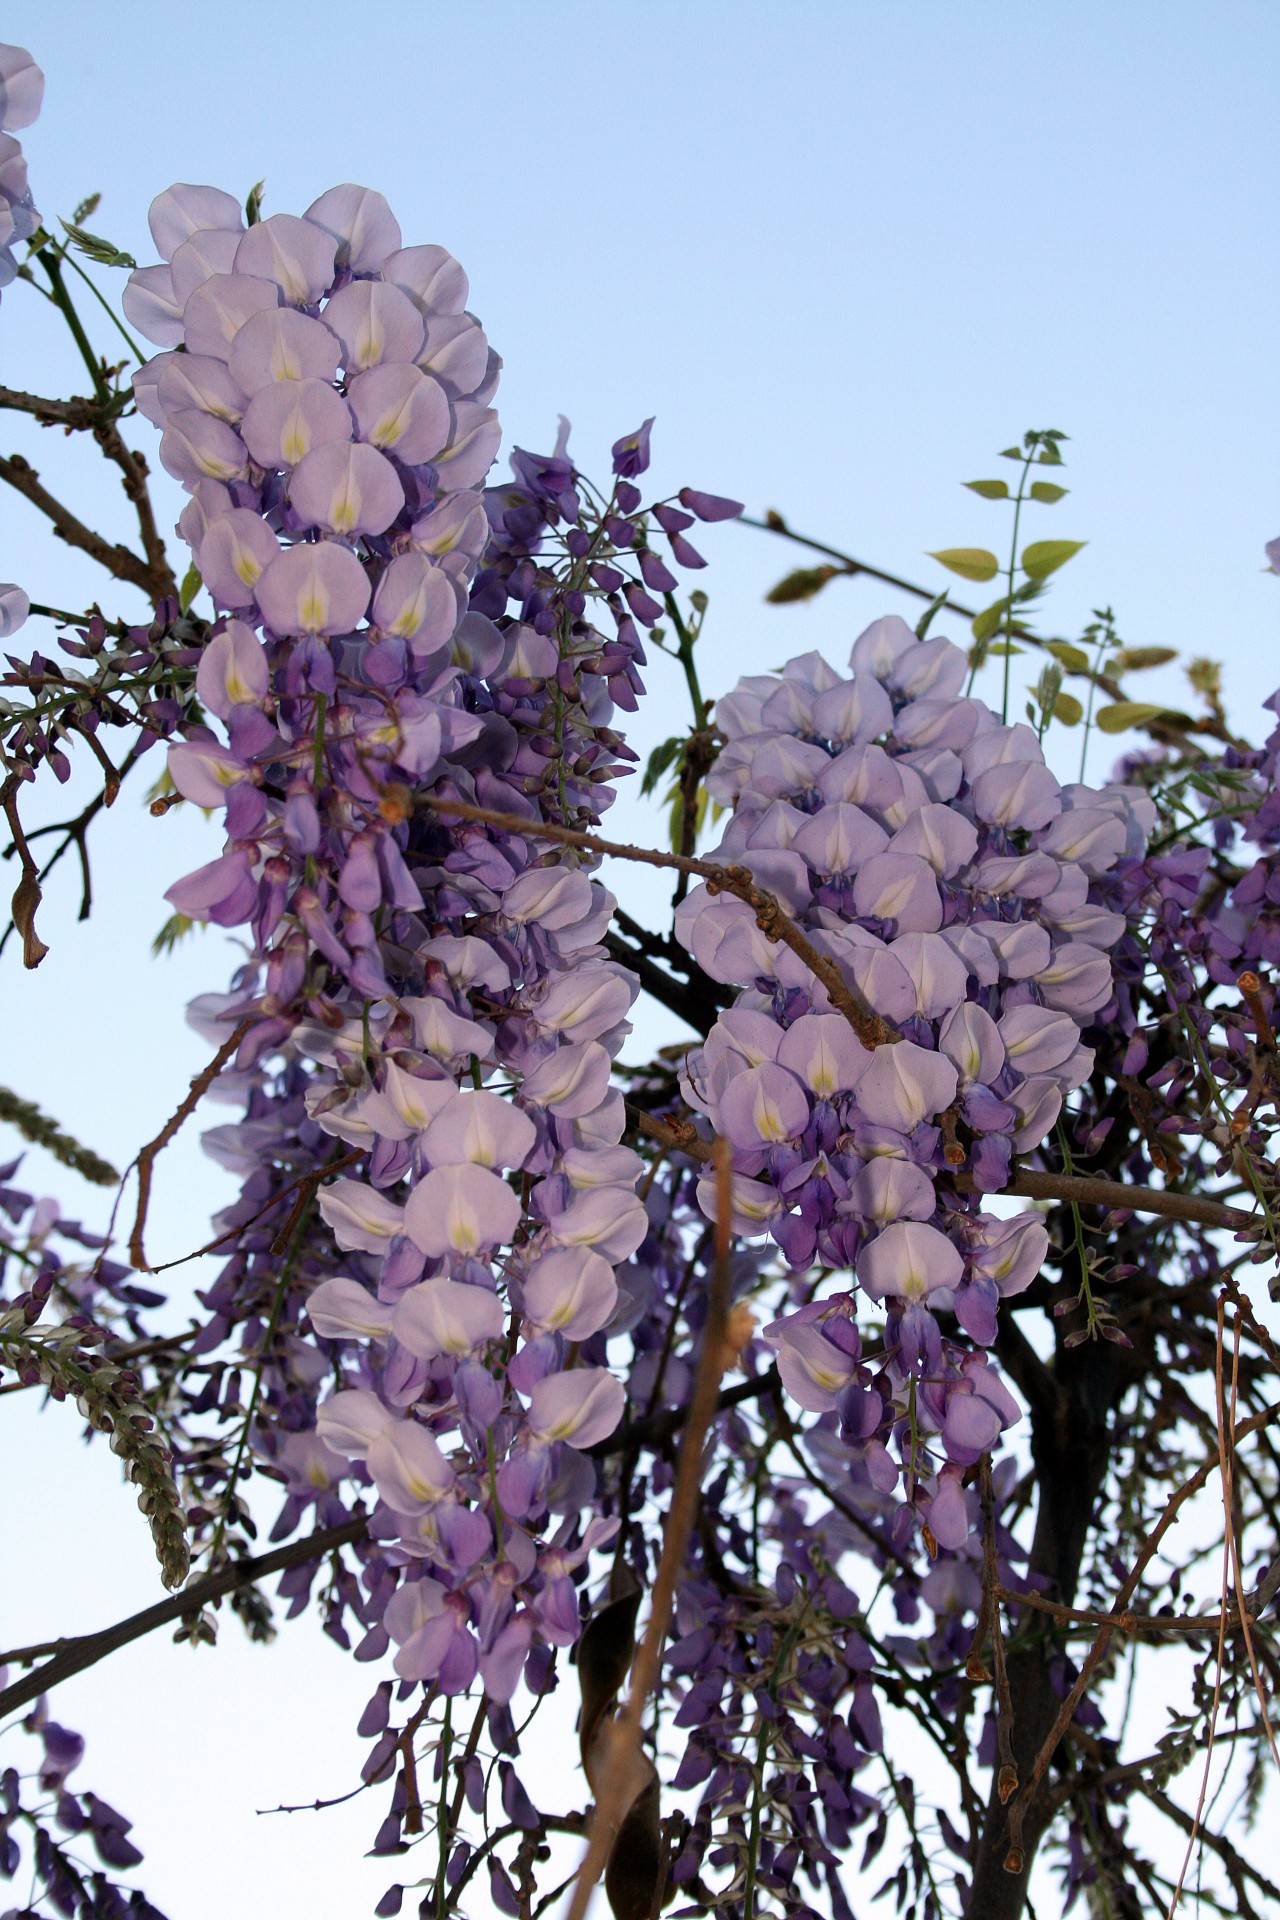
(621, 1750)
(121, 562)
(678, 1136)
(1097, 1651)
(200, 1085)
(89, 1648)
(774, 922)
(1007, 1779)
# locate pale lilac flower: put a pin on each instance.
(571, 1291)
(461, 1209)
(814, 1369)
(900, 887)
(192, 380)
(609, 1219)
(182, 210)
(573, 1080)
(971, 1041)
(223, 891)
(362, 224)
(345, 487)
(285, 421)
(443, 1316)
(376, 323)
(210, 251)
(233, 669)
(889, 1189)
(582, 1407)
(362, 1219)
(313, 589)
(278, 343)
(342, 1309)
(196, 446)
(435, 1640)
(401, 410)
(1010, 1252)
(1037, 1039)
(430, 276)
(215, 313)
(764, 1104)
(14, 609)
(408, 1468)
(909, 1261)
(203, 771)
(351, 1419)
(297, 254)
(905, 1084)
(480, 1127)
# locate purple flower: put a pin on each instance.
(631, 453)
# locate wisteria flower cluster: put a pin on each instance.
(954, 881)
(21, 95)
(553, 1348)
(326, 409)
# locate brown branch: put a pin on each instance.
(622, 1746)
(121, 562)
(1007, 1779)
(135, 473)
(89, 1648)
(26, 895)
(872, 1029)
(1164, 1626)
(1087, 1191)
(678, 1136)
(76, 415)
(307, 1182)
(1097, 1651)
(200, 1085)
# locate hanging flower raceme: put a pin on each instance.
(324, 405)
(932, 855)
(21, 95)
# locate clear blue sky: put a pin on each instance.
(844, 253)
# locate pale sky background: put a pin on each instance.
(843, 253)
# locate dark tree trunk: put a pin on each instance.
(1071, 1412)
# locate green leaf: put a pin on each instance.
(1138, 659)
(971, 563)
(989, 489)
(1046, 491)
(1068, 709)
(175, 928)
(1127, 713)
(1044, 557)
(253, 204)
(191, 585)
(87, 208)
(659, 760)
(104, 252)
(988, 621)
(930, 613)
(1049, 456)
(1003, 647)
(800, 585)
(1011, 453)
(1075, 659)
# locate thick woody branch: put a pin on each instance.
(1097, 1651)
(89, 1648)
(771, 917)
(617, 1783)
(121, 562)
(678, 1136)
(76, 415)
(75, 1655)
